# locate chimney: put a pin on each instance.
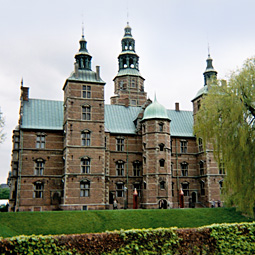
(98, 73)
(76, 66)
(25, 93)
(177, 107)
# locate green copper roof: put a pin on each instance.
(42, 114)
(128, 71)
(155, 111)
(120, 119)
(181, 123)
(86, 76)
(48, 115)
(201, 92)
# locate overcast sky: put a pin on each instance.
(38, 41)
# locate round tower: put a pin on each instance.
(156, 157)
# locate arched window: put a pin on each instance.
(86, 112)
(162, 162)
(161, 147)
(85, 188)
(85, 138)
(85, 165)
(184, 169)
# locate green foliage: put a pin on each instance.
(234, 238)
(38, 245)
(148, 241)
(4, 193)
(2, 122)
(75, 222)
(226, 121)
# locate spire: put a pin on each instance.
(128, 57)
(83, 58)
(209, 71)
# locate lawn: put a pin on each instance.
(74, 222)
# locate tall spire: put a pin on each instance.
(128, 58)
(209, 71)
(83, 58)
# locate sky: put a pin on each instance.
(38, 41)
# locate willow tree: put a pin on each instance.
(2, 134)
(226, 120)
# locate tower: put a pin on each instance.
(84, 150)
(128, 83)
(156, 156)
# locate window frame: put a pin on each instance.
(85, 164)
(184, 169)
(40, 141)
(185, 189)
(86, 138)
(120, 168)
(119, 189)
(86, 91)
(184, 146)
(86, 112)
(39, 167)
(120, 143)
(137, 168)
(84, 188)
(38, 189)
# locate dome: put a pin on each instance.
(155, 111)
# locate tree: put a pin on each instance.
(2, 121)
(4, 193)
(226, 120)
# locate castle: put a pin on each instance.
(82, 154)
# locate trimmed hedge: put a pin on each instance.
(214, 239)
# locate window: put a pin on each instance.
(172, 189)
(38, 190)
(84, 188)
(85, 165)
(161, 127)
(162, 162)
(172, 168)
(120, 189)
(86, 112)
(16, 142)
(137, 168)
(86, 91)
(85, 138)
(184, 146)
(221, 185)
(202, 188)
(198, 104)
(200, 144)
(120, 168)
(15, 168)
(133, 84)
(201, 167)
(171, 145)
(120, 144)
(138, 188)
(133, 102)
(162, 185)
(144, 185)
(39, 167)
(185, 188)
(40, 141)
(221, 168)
(161, 147)
(184, 169)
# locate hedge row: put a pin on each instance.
(215, 239)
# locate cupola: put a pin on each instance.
(155, 111)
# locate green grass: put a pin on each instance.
(74, 222)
